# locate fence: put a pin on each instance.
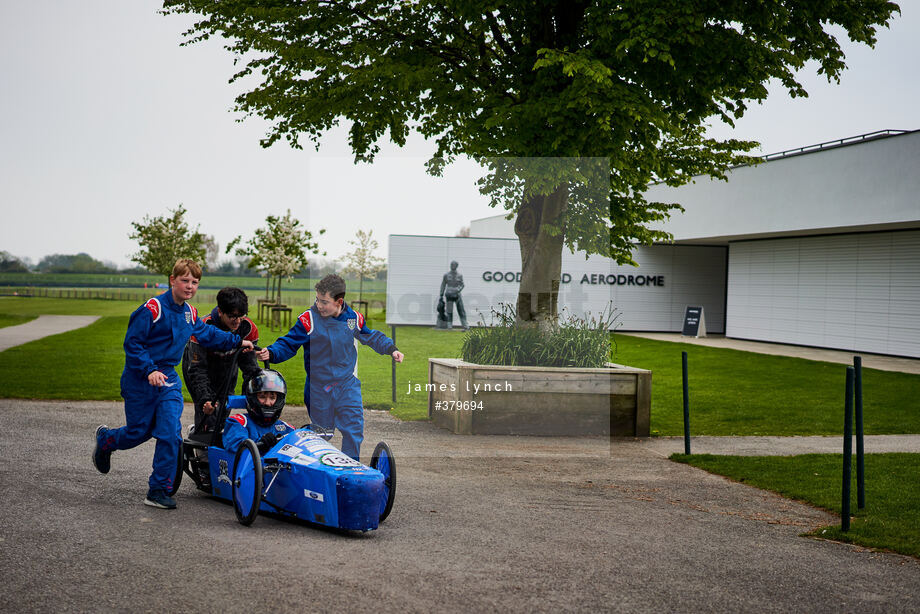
(134, 295)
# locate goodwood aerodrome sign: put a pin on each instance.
(587, 278)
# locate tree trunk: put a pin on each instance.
(361, 287)
(268, 279)
(541, 257)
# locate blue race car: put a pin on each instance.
(301, 476)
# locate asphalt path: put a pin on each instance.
(479, 524)
(42, 326)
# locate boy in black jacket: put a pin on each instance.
(205, 370)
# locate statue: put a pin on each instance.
(451, 286)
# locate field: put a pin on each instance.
(891, 518)
(732, 392)
(136, 280)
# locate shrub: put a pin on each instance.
(571, 342)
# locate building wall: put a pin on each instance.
(680, 276)
(862, 187)
(857, 292)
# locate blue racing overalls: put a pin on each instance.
(240, 427)
(333, 392)
(157, 334)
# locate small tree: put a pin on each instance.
(212, 253)
(362, 261)
(279, 250)
(165, 239)
(11, 264)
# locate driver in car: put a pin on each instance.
(262, 421)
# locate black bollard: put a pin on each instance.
(683, 360)
(860, 456)
(847, 451)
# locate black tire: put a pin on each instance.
(177, 479)
(247, 482)
(383, 461)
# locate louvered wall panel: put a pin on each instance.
(857, 292)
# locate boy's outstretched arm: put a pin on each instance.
(285, 347)
(376, 340)
(212, 337)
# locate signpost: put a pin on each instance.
(694, 323)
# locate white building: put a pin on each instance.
(818, 247)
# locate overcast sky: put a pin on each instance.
(104, 119)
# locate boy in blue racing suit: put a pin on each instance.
(327, 333)
(157, 333)
(265, 394)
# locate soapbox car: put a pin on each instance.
(302, 476)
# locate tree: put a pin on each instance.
(211, 253)
(165, 239)
(279, 249)
(11, 264)
(72, 263)
(362, 261)
(546, 95)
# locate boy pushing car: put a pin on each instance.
(157, 334)
(327, 333)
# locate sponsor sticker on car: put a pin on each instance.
(312, 494)
(289, 450)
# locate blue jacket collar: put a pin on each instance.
(166, 299)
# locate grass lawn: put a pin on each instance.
(87, 363)
(891, 518)
(743, 393)
(13, 320)
(731, 392)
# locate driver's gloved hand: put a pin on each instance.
(266, 442)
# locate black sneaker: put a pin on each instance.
(159, 498)
(102, 459)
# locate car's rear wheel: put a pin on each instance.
(383, 461)
(247, 482)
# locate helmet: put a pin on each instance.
(268, 380)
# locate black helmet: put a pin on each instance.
(268, 380)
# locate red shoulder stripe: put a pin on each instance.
(360, 320)
(194, 313)
(239, 418)
(306, 318)
(253, 331)
(154, 306)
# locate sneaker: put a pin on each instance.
(159, 498)
(102, 459)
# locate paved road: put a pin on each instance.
(42, 326)
(869, 361)
(480, 523)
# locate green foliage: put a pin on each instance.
(891, 518)
(279, 249)
(75, 263)
(744, 393)
(632, 83)
(362, 262)
(165, 239)
(570, 342)
(11, 264)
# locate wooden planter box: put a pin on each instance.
(614, 401)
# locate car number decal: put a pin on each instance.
(337, 459)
